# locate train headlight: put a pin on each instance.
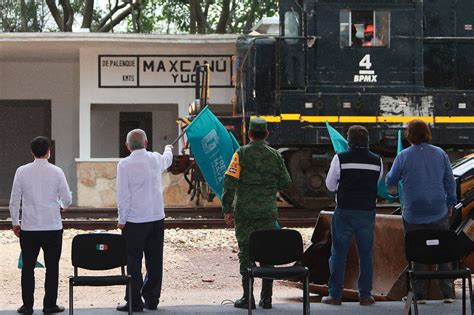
(195, 107)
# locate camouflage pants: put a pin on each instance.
(243, 229)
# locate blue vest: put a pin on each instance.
(360, 171)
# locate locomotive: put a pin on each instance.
(378, 64)
(374, 63)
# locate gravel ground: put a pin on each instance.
(200, 267)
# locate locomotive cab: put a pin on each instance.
(360, 49)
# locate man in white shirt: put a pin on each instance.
(41, 190)
(141, 218)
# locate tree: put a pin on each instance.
(23, 16)
(216, 16)
(117, 12)
(139, 16)
(62, 15)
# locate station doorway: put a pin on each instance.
(22, 120)
(110, 124)
(135, 120)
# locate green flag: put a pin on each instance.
(20, 263)
(399, 149)
(399, 144)
(212, 146)
(339, 143)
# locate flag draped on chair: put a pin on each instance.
(212, 146)
(340, 144)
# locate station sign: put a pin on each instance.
(162, 71)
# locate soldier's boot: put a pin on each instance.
(266, 294)
(243, 302)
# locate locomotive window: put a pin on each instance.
(364, 28)
(292, 26)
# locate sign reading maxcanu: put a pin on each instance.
(161, 71)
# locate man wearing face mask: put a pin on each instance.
(41, 190)
(354, 176)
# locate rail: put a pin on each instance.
(185, 218)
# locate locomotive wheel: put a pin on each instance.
(308, 189)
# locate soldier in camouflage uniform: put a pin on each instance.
(253, 178)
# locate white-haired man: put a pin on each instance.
(141, 218)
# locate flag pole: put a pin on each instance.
(179, 137)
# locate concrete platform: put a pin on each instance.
(385, 308)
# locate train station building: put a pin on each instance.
(86, 91)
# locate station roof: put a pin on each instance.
(114, 37)
(66, 46)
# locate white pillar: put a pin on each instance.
(84, 107)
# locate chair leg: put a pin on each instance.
(407, 279)
(250, 295)
(71, 311)
(306, 304)
(415, 301)
(407, 307)
(410, 293)
(463, 296)
(129, 296)
(470, 293)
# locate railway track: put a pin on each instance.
(169, 224)
(185, 218)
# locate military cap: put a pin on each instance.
(258, 125)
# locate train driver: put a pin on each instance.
(368, 35)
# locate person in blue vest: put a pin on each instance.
(354, 176)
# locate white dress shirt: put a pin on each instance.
(334, 173)
(42, 190)
(139, 190)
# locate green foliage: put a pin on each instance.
(33, 17)
(77, 5)
(9, 13)
(149, 16)
(146, 15)
(162, 16)
(175, 16)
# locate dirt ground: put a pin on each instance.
(200, 267)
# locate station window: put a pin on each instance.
(364, 28)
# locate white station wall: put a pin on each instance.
(105, 127)
(57, 81)
(91, 93)
(72, 85)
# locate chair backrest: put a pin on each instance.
(275, 247)
(99, 251)
(429, 246)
